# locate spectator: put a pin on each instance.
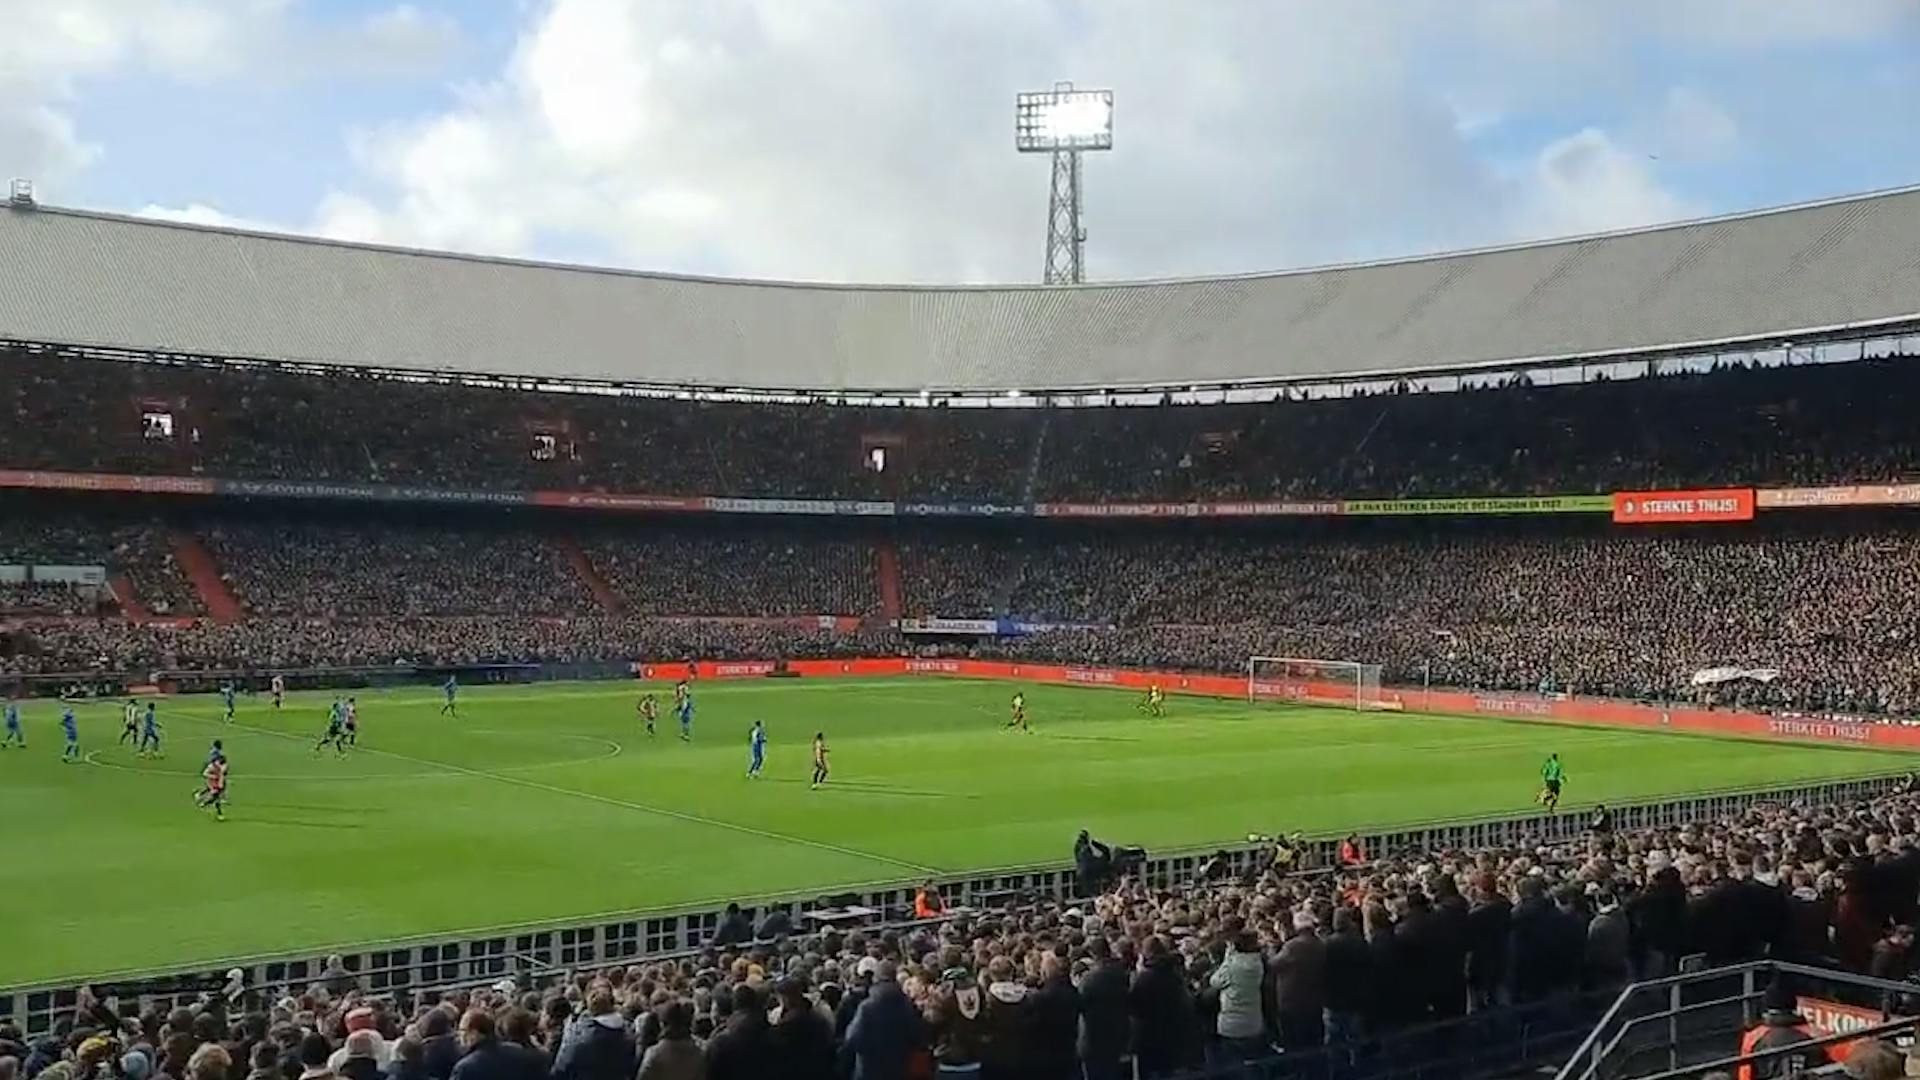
(409, 1061)
(745, 1048)
(1349, 979)
(601, 1046)
(486, 1057)
(885, 1031)
(1300, 986)
(1105, 1029)
(676, 1056)
(802, 1038)
(1054, 1012)
(360, 1062)
(1164, 1017)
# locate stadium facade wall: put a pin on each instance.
(1686, 720)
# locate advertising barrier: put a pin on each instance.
(1677, 719)
(1536, 504)
(1838, 495)
(1729, 504)
(974, 627)
(1666, 507)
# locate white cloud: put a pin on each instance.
(869, 139)
(1586, 183)
(50, 51)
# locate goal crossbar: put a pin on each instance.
(1307, 681)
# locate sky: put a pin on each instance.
(871, 140)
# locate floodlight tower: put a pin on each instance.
(1063, 122)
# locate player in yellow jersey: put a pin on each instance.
(1155, 703)
(1019, 718)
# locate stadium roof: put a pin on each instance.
(104, 281)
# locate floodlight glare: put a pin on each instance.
(1047, 121)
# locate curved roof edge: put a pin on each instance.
(117, 282)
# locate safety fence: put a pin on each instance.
(475, 957)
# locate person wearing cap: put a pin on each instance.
(802, 1038)
(601, 1045)
(1781, 1025)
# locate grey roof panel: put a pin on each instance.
(103, 280)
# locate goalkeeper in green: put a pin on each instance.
(1552, 776)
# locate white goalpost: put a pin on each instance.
(1340, 684)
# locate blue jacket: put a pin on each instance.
(884, 1034)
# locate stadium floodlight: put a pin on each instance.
(1064, 122)
(1063, 118)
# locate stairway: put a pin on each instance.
(583, 569)
(197, 563)
(886, 560)
(127, 597)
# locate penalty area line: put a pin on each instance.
(608, 800)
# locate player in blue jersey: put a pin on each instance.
(150, 733)
(226, 699)
(15, 737)
(70, 727)
(757, 748)
(683, 705)
(451, 689)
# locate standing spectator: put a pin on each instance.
(440, 1047)
(314, 1052)
(1609, 962)
(409, 1060)
(486, 1057)
(1239, 1027)
(744, 1049)
(676, 1056)
(600, 1046)
(885, 1032)
(1165, 1024)
(1300, 986)
(1449, 972)
(803, 1037)
(1488, 923)
(360, 1062)
(1104, 1027)
(209, 1062)
(1349, 966)
(1533, 944)
(1054, 1014)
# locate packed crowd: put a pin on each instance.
(727, 573)
(1221, 969)
(1803, 424)
(138, 650)
(355, 570)
(1829, 603)
(138, 548)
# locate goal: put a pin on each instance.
(1340, 684)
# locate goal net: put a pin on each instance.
(1341, 684)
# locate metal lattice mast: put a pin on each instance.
(1064, 122)
(1066, 237)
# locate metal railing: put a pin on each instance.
(1684, 1025)
(483, 955)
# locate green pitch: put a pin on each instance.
(550, 803)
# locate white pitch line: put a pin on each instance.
(608, 800)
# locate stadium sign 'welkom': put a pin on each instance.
(1727, 504)
(1844, 268)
